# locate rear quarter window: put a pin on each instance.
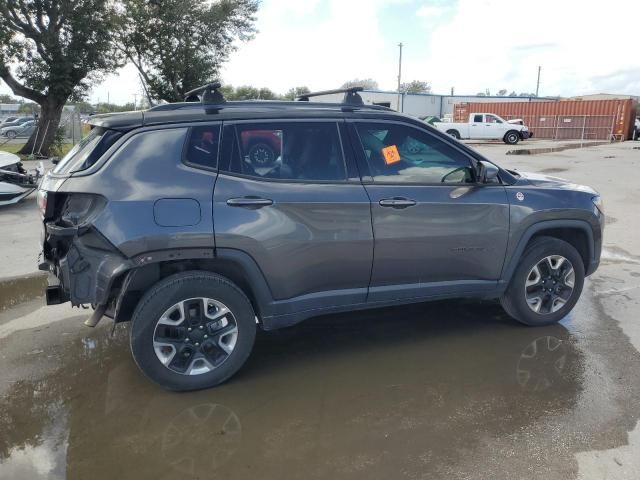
(88, 151)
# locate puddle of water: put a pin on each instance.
(561, 148)
(14, 291)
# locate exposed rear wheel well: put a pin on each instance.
(148, 275)
(574, 236)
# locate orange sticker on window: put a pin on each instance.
(391, 154)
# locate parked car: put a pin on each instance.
(7, 120)
(24, 129)
(18, 121)
(161, 219)
(487, 126)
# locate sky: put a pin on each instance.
(469, 45)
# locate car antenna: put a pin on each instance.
(351, 96)
(206, 94)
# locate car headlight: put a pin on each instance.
(597, 201)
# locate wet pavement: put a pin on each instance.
(451, 390)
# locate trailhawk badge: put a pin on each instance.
(520, 196)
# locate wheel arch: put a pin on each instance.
(577, 233)
(235, 265)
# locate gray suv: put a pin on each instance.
(169, 219)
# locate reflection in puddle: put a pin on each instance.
(561, 148)
(334, 396)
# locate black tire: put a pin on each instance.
(454, 133)
(261, 155)
(167, 293)
(514, 300)
(511, 137)
(11, 134)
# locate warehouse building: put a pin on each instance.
(423, 105)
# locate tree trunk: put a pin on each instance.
(41, 139)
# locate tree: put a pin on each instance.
(366, 83)
(60, 48)
(178, 45)
(513, 94)
(4, 98)
(415, 86)
(292, 93)
(502, 93)
(481, 94)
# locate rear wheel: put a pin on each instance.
(11, 134)
(546, 284)
(512, 137)
(192, 330)
(454, 133)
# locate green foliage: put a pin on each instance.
(502, 93)
(366, 83)
(178, 45)
(415, 86)
(59, 48)
(292, 93)
(58, 142)
(4, 98)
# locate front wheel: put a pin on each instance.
(546, 284)
(192, 330)
(11, 134)
(511, 138)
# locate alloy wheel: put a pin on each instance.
(550, 284)
(195, 336)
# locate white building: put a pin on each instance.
(423, 104)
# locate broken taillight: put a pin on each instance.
(41, 199)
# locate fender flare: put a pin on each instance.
(510, 266)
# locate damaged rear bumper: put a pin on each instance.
(82, 265)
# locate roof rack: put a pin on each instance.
(208, 94)
(351, 96)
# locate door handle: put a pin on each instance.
(397, 202)
(254, 202)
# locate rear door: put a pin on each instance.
(288, 196)
(436, 231)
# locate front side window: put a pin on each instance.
(288, 151)
(402, 154)
(492, 119)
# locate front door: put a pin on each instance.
(435, 230)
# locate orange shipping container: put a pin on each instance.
(562, 119)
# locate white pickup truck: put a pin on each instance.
(486, 126)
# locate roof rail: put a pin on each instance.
(206, 94)
(351, 96)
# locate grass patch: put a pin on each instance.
(15, 147)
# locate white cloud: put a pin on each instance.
(583, 47)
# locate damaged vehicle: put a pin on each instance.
(16, 182)
(162, 218)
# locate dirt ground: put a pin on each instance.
(451, 390)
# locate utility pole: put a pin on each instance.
(399, 76)
(538, 82)
(135, 101)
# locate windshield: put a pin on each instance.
(87, 151)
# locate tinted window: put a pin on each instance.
(202, 148)
(477, 118)
(288, 151)
(87, 151)
(402, 154)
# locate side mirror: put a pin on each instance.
(486, 172)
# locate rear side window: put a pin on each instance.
(202, 146)
(287, 151)
(88, 151)
(477, 118)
